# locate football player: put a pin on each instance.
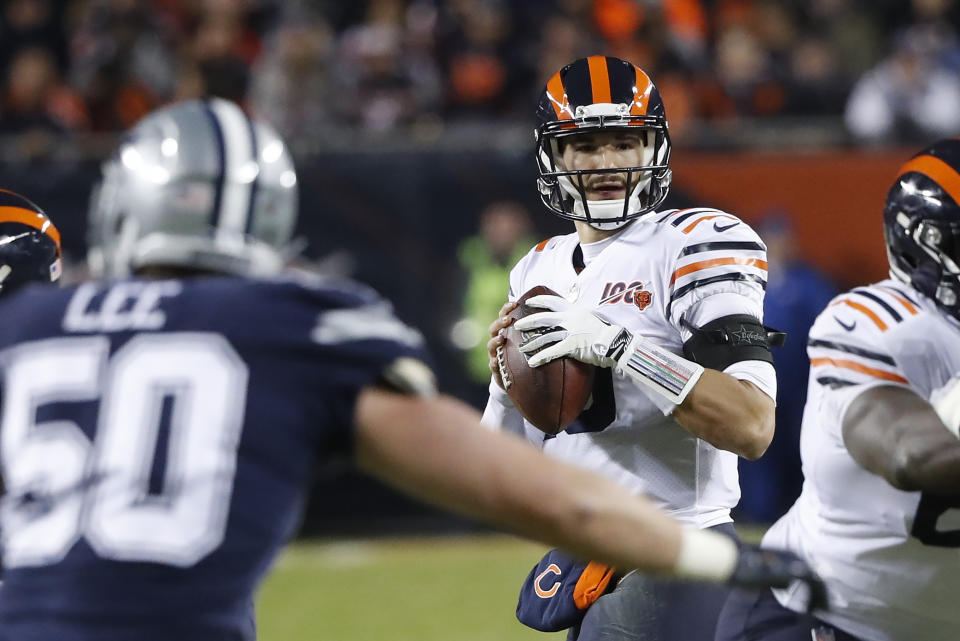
(668, 303)
(29, 244)
(880, 507)
(158, 428)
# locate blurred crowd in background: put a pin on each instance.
(891, 68)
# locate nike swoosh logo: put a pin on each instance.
(719, 227)
(849, 327)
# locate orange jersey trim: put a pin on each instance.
(542, 244)
(865, 310)
(599, 78)
(715, 262)
(857, 367)
(689, 228)
(31, 219)
(905, 303)
(941, 173)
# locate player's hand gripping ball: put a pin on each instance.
(552, 395)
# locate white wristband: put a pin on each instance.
(669, 375)
(706, 556)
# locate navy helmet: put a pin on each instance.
(921, 223)
(29, 244)
(602, 93)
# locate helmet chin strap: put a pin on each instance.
(602, 211)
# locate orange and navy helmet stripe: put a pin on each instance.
(643, 87)
(936, 170)
(599, 79)
(557, 95)
(14, 208)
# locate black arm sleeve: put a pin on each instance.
(731, 339)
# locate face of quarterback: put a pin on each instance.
(604, 150)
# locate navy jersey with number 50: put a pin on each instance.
(156, 441)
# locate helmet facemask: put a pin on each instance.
(563, 190)
(927, 259)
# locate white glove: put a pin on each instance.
(946, 401)
(573, 331)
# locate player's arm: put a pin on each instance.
(894, 433)
(729, 413)
(430, 447)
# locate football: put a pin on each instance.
(550, 396)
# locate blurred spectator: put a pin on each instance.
(908, 94)
(381, 83)
(852, 33)
(483, 68)
(224, 46)
(503, 238)
(744, 83)
(291, 84)
(121, 61)
(817, 86)
(796, 293)
(34, 99)
(36, 106)
(32, 23)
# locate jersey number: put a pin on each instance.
(931, 508)
(136, 492)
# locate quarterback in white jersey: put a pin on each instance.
(880, 509)
(668, 304)
(697, 265)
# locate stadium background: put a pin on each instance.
(408, 118)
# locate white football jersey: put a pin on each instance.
(862, 534)
(698, 264)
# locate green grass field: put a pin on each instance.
(433, 589)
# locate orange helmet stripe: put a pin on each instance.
(31, 219)
(599, 78)
(937, 170)
(641, 93)
(558, 97)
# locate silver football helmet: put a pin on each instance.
(197, 185)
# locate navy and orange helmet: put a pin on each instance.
(29, 244)
(602, 93)
(922, 224)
